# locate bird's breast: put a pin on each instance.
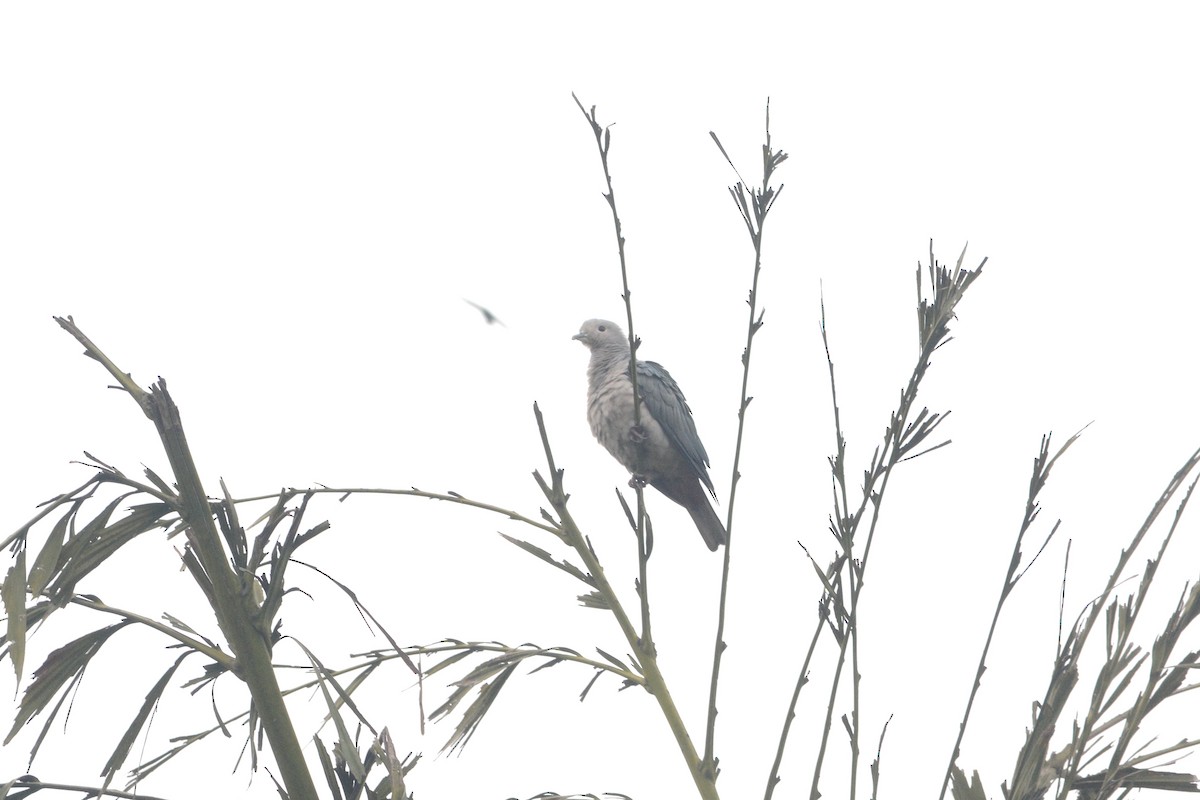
(610, 415)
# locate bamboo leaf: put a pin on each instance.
(1131, 777)
(345, 744)
(1174, 679)
(491, 667)
(474, 715)
(613, 660)
(594, 600)
(34, 615)
(583, 695)
(14, 609)
(159, 483)
(450, 660)
(176, 622)
(553, 661)
(331, 778)
(121, 752)
(283, 795)
(394, 764)
(62, 668)
(362, 610)
(451, 702)
(98, 540)
(960, 789)
(146, 768)
(344, 694)
(1118, 666)
(544, 555)
(46, 564)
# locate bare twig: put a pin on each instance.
(603, 136)
(1041, 473)
(906, 432)
(753, 203)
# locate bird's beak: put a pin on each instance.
(579, 337)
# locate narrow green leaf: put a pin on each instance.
(960, 789)
(451, 703)
(394, 766)
(613, 659)
(583, 695)
(345, 744)
(1173, 679)
(201, 578)
(344, 694)
(176, 622)
(593, 600)
(1136, 778)
(34, 615)
(553, 661)
(14, 608)
(46, 564)
(491, 667)
(98, 462)
(361, 608)
(121, 752)
(450, 660)
(216, 712)
(544, 555)
(821, 576)
(1119, 666)
(283, 795)
(335, 789)
(60, 668)
(474, 715)
(146, 768)
(89, 548)
(159, 483)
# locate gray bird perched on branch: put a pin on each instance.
(665, 450)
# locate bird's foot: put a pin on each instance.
(637, 482)
(637, 434)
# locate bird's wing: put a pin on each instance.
(666, 403)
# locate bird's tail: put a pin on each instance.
(688, 493)
(708, 523)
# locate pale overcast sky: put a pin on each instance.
(280, 209)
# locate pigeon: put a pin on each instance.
(665, 450)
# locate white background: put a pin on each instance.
(280, 208)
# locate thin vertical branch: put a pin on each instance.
(801, 680)
(645, 542)
(753, 204)
(1041, 473)
(830, 602)
(603, 135)
(906, 432)
(647, 662)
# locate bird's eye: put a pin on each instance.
(602, 329)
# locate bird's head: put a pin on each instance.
(600, 333)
